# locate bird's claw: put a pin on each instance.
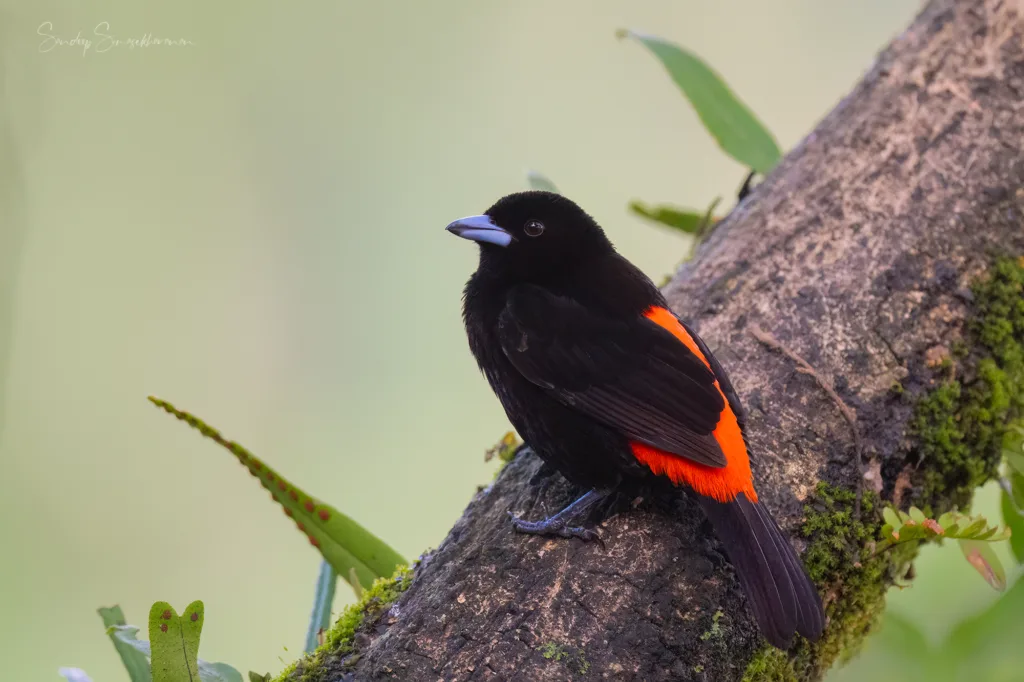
(555, 527)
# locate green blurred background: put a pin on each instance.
(251, 226)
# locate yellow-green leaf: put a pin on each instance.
(740, 134)
(680, 219)
(174, 642)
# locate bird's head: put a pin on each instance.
(533, 235)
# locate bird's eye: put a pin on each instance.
(533, 228)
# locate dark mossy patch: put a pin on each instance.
(959, 425)
(341, 642)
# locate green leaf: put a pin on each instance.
(540, 182)
(947, 520)
(134, 662)
(208, 672)
(917, 515)
(891, 517)
(981, 556)
(341, 541)
(683, 220)
(974, 527)
(256, 677)
(174, 642)
(729, 121)
(1015, 522)
(323, 598)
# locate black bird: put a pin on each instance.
(606, 384)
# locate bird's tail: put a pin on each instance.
(781, 594)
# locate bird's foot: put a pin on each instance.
(553, 526)
(559, 525)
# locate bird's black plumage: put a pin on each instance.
(560, 325)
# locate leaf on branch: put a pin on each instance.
(341, 541)
(738, 132)
(680, 219)
(903, 527)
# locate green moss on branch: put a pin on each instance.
(959, 426)
(340, 641)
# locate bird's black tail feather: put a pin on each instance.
(781, 594)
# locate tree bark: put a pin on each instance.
(857, 253)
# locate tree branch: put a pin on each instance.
(857, 253)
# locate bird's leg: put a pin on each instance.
(559, 524)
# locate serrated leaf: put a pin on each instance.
(984, 560)
(1015, 523)
(738, 132)
(323, 598)
(917, 515)
(540, 182)
(73, 674)
(341, 541)
(891, 517)
(134, 662)
(683, 220)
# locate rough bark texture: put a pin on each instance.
(857, 253)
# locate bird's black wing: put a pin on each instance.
(631, 375)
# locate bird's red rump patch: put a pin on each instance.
(723, 484)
